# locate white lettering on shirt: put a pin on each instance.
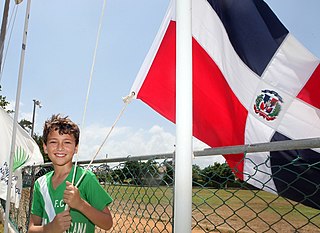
(58, 203)
(78, 227)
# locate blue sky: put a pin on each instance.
(60, 47)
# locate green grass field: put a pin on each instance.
(252, 210)
(215, 197)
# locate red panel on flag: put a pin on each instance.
(157, 91)
(221, 123)
(310, 92)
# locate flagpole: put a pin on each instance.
(15, 120)
(183, 157)
(3, 29)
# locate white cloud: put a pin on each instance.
(125, 141)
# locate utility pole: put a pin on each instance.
(35, 103)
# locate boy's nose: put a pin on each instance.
(60, 147)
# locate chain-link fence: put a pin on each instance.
(142, 189)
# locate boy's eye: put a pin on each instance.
(52, 142)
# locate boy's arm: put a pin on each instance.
(60, 223)
(102, 219)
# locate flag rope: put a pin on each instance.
(89, 86)
(126, 100)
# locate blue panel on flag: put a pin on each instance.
(255, 36)
(296, 174)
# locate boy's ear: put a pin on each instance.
(76, 149)
(45, 148)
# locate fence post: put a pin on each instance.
(30, 195)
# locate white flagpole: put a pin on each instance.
(183, 157)
(15, 120)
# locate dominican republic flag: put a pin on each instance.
(253, 82)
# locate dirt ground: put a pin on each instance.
(131, 225)
(211, 223)
(223, 219)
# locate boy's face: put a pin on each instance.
(60, 148)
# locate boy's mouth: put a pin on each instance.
(60, 155)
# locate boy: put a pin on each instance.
(87, 203)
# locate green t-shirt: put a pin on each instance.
(48, 202)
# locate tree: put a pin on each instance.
(4, 103)
(132, 172)
(116, 176)
(25, 124)
(196, 175)
(39, 141)
(217, 175)
(150, 173)
(169, 173)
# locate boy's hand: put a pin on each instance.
(72, 196)
(61, 222)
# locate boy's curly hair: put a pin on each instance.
(64, 126)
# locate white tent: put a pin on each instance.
(26, 153)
